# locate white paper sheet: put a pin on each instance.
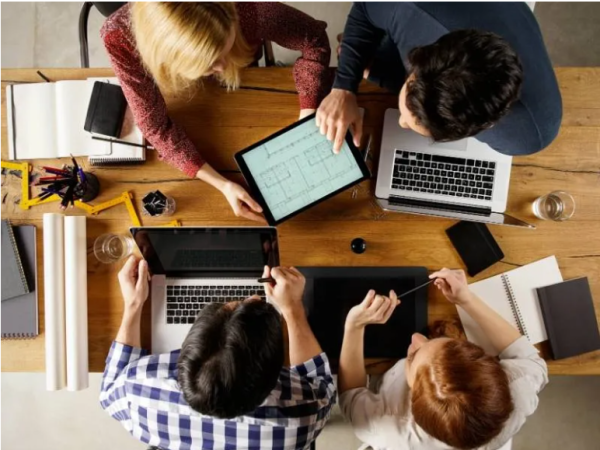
(76, 303)
(54, 300)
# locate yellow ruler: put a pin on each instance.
(126, 198)
(26, 202)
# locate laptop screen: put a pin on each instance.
(208, 252)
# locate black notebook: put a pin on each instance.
(14, 281)
(106, 110)
(570, 319)
(20, 314)
(475, 245)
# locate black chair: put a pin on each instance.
(107, 8)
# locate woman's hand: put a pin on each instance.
(453, 284)
(242, 204)
(373, 309)
(134, 280)
(305, 113)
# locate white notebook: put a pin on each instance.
(113, 152)
(45, 120)
(513, 295)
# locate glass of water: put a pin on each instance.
(110, 248)
(557, 206)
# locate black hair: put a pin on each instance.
(231, 358)
(463, 83)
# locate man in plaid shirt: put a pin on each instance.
(227, 387)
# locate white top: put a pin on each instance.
(383, 418)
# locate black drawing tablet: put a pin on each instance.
(332, 291)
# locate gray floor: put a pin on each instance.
(45, 35)
(571, 31)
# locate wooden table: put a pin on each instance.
(222, 123)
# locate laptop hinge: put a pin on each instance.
(418, 203)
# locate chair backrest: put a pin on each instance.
(107, 8)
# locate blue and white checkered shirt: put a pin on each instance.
(142, 393)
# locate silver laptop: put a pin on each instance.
(192, 268)
(463, 180)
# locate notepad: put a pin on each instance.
(109, 153)
(513, 295)
(14, 280)
(45, 120)
(20, 314)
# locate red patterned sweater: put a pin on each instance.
(259, 21)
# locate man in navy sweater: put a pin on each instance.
(460, 69)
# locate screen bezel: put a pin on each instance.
(156, 267)
(358, 157)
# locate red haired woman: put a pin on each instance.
(447, 393)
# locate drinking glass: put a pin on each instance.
(110, 248)
(558, 206)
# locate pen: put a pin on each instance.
(266, 280)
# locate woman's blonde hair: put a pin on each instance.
(178, 42)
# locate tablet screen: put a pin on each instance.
(298, 168)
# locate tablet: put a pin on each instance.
(296, 168)
(331, 292)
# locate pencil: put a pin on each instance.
(117, 141)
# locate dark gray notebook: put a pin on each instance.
(570, 319)
(20, 314)
(14, 281)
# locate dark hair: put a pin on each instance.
(231, 358)
(462, 396)
(464, 83)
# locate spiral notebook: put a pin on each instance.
(514, 296)
(20, 314)
(14, 280)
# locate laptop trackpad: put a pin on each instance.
(334, 297)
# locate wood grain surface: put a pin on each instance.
(222, 123)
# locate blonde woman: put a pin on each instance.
(169, 47)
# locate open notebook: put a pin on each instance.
(513, 295)
(45, 120)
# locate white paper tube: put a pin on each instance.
(54, 301)
(76, 302)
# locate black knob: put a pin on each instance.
(358, 245)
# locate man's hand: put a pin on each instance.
(134, 280)
(288, 289)
(337, 112)
(453, 284)
(242, 204)
(373, 309)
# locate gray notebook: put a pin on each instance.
(14, 281)
(20, 314)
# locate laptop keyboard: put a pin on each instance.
(185, 302)
(443, 175)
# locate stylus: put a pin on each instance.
(416, 289)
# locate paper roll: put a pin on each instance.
(54, 301)
(76, 302)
